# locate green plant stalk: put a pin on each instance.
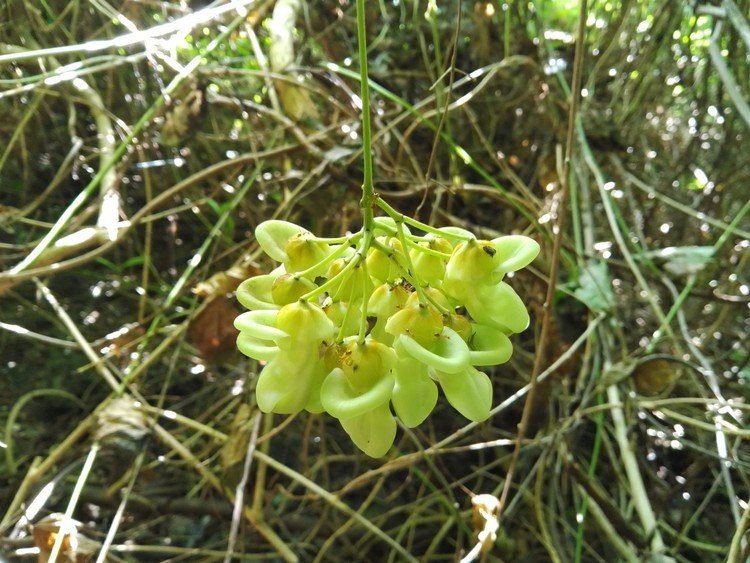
(396, 216)
(366, 291)
(342, 275)
(340, 251)
(368, 188)
(367, 202)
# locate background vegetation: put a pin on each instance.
(142, 141)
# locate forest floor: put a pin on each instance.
(141, 143)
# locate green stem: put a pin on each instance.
(368, 188)
(340, 277)
(340, 251)
(366, 289)
(418, 224)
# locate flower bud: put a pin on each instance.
(381, 266)
(288, 288)
(291, 381)
(273, 237)
(386, 299)
(358, 393)
(303, 253)
(365, 364)
(344, 315)
(471, 263)
(304, 322)
(429, 268)
(350, 286)
(423, 323)
(460, 324)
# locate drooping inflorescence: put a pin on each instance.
(368, 325)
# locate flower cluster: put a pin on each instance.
(369, 325)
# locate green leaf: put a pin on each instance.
(132, 262)
(594, 288)
(683, 260)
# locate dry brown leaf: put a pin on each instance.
(212, 332)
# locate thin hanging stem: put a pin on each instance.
(368, 189)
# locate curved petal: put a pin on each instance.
(372, 432)
(470, 392)
(305, 322)
(515, 251)
(457, 232)
(449, 353)
(498, 306)
(415, 394)
(489, 346)
(314, 402)
(387, 225)
(260, 324)
(286, 383)
(256, 348)
(255, 293)
(341, 400)
(274, 235)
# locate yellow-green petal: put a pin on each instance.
(468, 391)
(372, 432)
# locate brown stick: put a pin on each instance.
(555, 259)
